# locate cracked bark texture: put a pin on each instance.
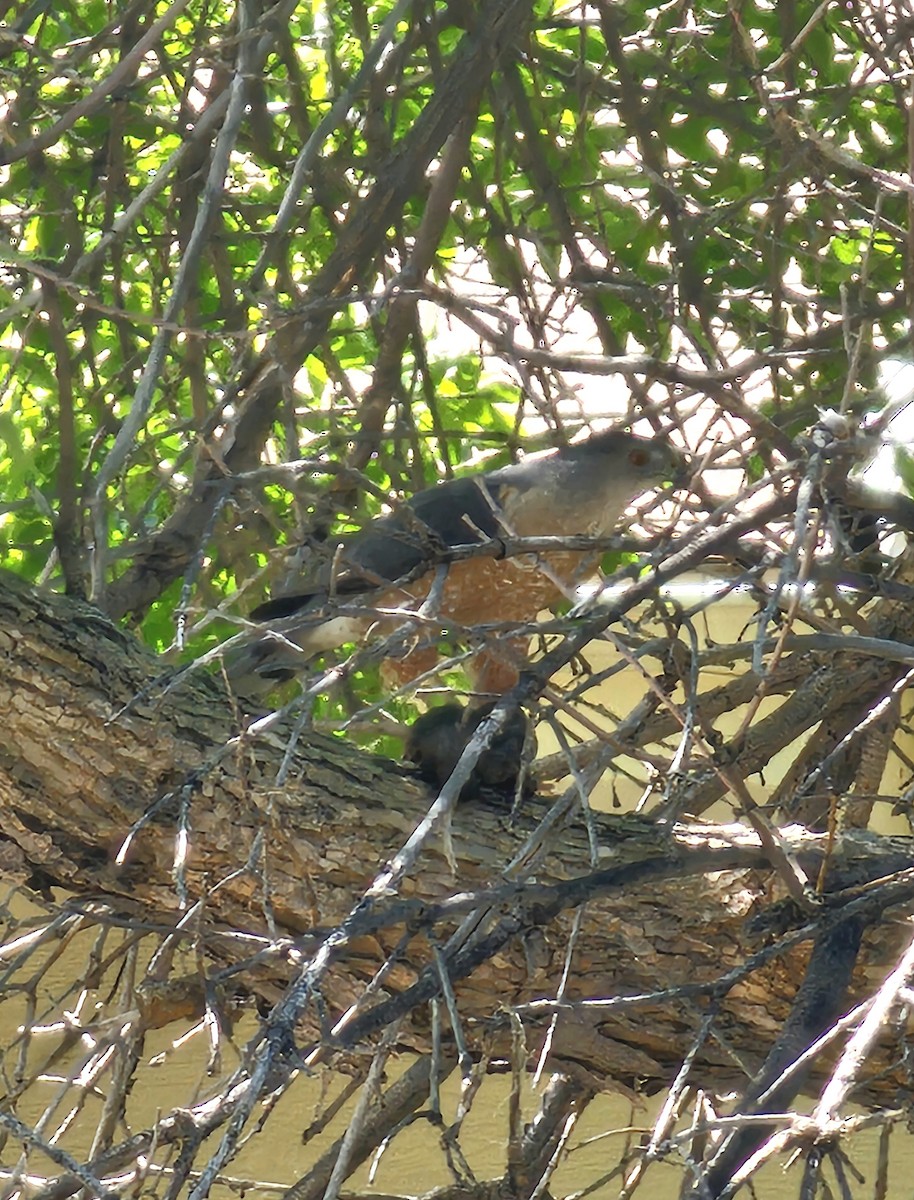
(664, 910)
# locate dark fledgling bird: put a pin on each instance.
(437, 739)
(577, 490)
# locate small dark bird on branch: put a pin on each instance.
(439, 737)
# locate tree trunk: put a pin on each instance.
(94, 745)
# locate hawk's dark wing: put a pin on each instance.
(456, 513)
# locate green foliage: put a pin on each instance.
(642, 183)
(904, 465)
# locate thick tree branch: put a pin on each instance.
(78, 771)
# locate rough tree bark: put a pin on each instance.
(92, 744)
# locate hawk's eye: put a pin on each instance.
(639, 458)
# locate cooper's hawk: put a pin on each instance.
(579, 489)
